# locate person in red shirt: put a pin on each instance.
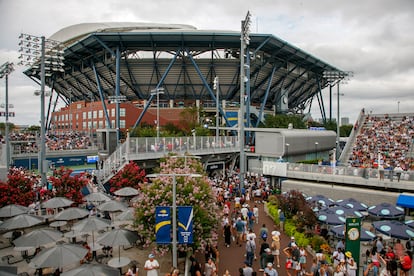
(406, 263)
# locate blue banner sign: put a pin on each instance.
(185, 224)
(163, 224)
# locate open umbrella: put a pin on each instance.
(330, 217)
(59, 256)
(339, 231)
(112, 206)
(57, 202)
(386, 211)
(118, 237)
(71, 214)
(128, 214)
(126, 191)
(393, 228)
(410, 223)
(320, 200)
(344, 211)
(21, 221)
(37, 238)
(352, 203)
(91, 224)
(97, 197)
(12, 210)
(92, 270)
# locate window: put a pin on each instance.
(122, 112)
(100, 113)
(84, 115)
(122, 124)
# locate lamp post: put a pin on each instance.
(217, 88)
(336, 77)
(398, 103)
(50, 53)
(316, 150)
(174, 208)
(5, 71)
(244, 42)
(157, 92)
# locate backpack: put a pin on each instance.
(263, 235)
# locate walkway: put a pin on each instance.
(232, 258)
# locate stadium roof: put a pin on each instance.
(184, 61)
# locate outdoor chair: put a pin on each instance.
(11, 259)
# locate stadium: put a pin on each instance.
(127, 62)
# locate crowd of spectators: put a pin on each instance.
(27, 142)
(389, 138)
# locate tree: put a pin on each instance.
(66, 185)
(130, 176)
(195, 192)
(3, 127)
(345, 130)
(283, 121)
(189, 118)
(145, 130)
(171, 130)
(19, 189)
(295, 206)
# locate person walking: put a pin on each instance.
(210, 268)
(270, 271)
(282, 220)
(151, 265)
(250, 251)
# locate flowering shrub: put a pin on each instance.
(19, 189)
(191, 191)
(66, 185)
(130, 176)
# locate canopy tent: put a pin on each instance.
(406, 200)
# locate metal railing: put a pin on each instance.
(142, 148)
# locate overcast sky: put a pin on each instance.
(371, 38)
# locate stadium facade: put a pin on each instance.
(127, 62)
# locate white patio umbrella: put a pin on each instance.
(21, 221)
(92, 270)
(112, 206)
(126, 191)
(12, 210)
(118, 237)
(37, 238)
(97, 197)
(57, 202)
(71, 214)
(91, 224)
(59, 256)
(128, 214)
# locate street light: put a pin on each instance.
(5, 71)
(336, 77)
(217, 88)
(157, 92)
(398, 106)
(50, 54)
(316, 150)
(245, 41)
(174, 208)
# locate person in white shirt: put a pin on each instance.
(151, 265)
(256, 213)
